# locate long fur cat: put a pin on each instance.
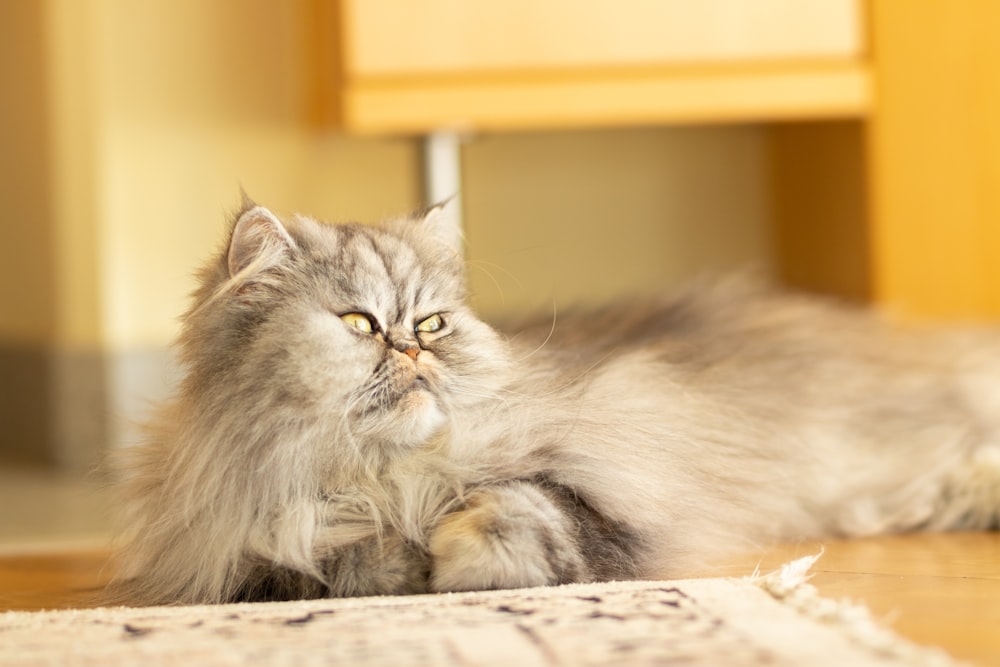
(347, 426)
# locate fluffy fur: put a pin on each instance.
(305, 456)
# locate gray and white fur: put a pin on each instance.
(347, 426)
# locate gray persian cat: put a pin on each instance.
(347, 426)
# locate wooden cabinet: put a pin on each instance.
(423, 66)
(882, 115)
(461, 37)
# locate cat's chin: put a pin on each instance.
(420, 408)
(415, 419)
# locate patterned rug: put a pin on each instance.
(776, 619)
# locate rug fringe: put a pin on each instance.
(789, 585)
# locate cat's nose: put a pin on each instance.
(408, 348)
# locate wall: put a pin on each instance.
(134, 125)
(556, 219)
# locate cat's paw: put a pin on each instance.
(388, 565)
(508, 536)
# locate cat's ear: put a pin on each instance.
(259, 239)
(443, 222)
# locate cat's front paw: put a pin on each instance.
(388, 565)
(508, 536)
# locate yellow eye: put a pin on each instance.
(430, 325)
(360, 322)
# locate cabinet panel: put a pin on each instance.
(391, 38)
(608, 99)
(392, 67)
(934, 147)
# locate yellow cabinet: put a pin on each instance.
(522, 64)
(884, 115)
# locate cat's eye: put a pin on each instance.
(359, 321)
(430, 325)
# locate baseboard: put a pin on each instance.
(25, 412)
(68, 408)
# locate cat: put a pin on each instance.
(347, 426)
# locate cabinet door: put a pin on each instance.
(524, 64)
(391, 38)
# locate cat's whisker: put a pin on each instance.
(481, 395)
(548, 337)
(345, 427)
(500, 394)
(482, 264)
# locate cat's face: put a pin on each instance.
(359, 332)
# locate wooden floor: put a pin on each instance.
(65, 580)
(940, 590)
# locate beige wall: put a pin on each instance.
(135, 123)
(562, 218)
(197, 98)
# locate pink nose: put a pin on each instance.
(412, 352)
